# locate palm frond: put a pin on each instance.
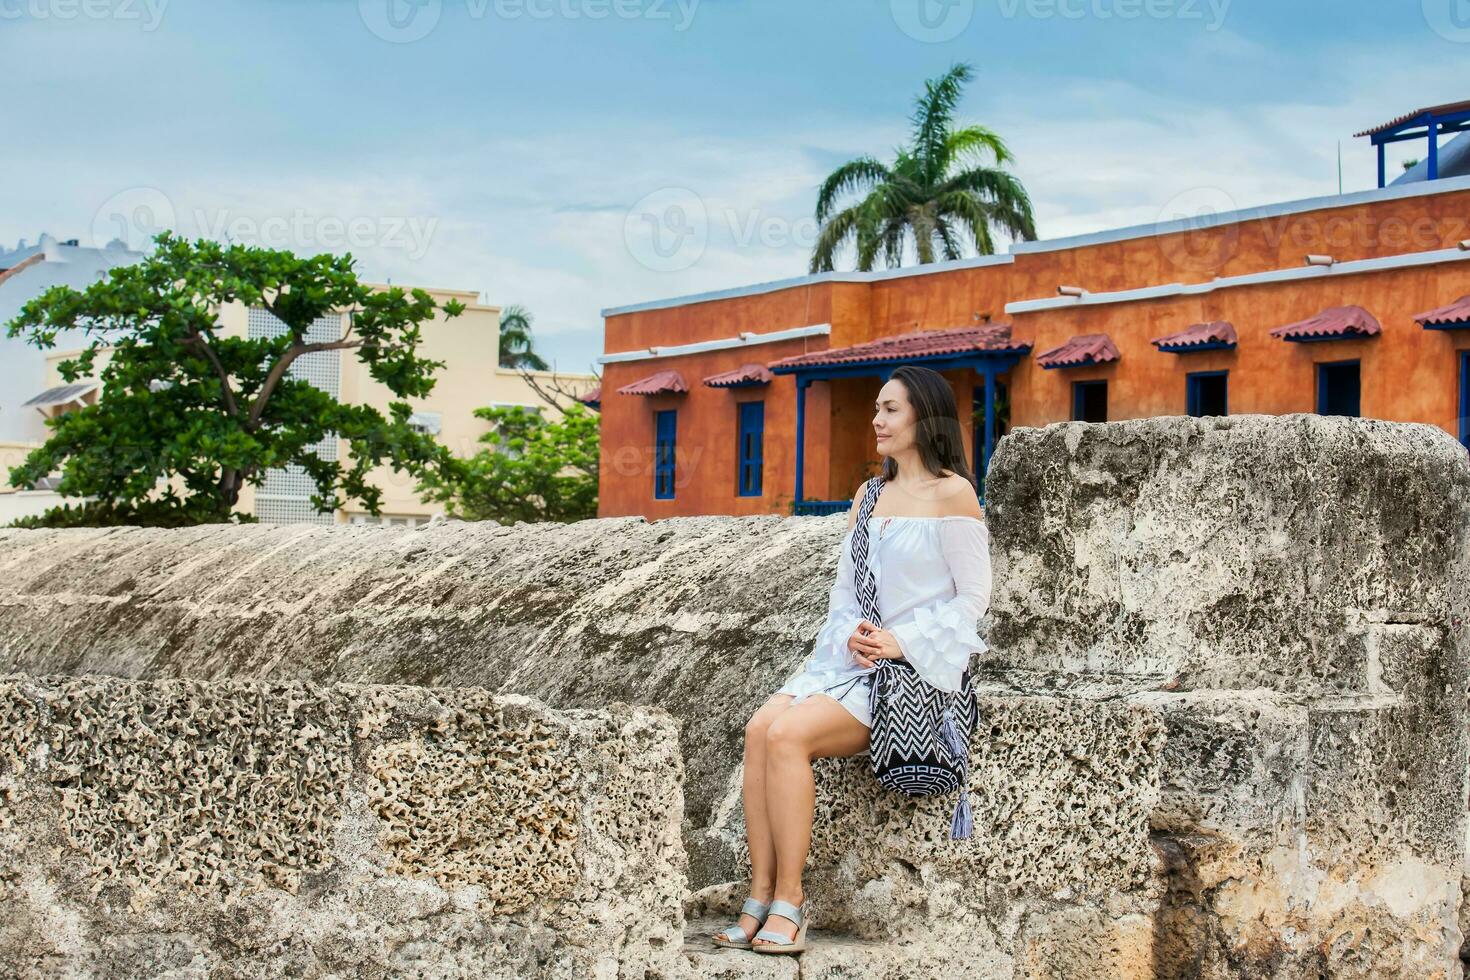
(973, 214)
(834, 234)
(934, 114)
(975, 144)
(1012, 205)
(855, 175)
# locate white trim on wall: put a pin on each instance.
(1357, 266)
(746, 339)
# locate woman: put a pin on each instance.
(929, 552)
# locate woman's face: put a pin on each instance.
(893, 418)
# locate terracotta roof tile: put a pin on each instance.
(664, 382)
(745, 374)
(1199, 335)
(1092, 348)
(991, 338)
(591, 395)
(1456, 312)
(1335, 322)
(1438, 110)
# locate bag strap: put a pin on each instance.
(866, 584)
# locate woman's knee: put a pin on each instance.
(786, 736)
(759, 724)
(764, 717)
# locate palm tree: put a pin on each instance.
(516, 349)
(939, 190)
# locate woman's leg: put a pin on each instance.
(753, 793)
(817, 728)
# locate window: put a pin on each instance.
(663, 455)
(429, 423)
(1089, 401)
(1206, 393)
(752, 434)
(1465, 398)
(284, 497)
(1338, 388)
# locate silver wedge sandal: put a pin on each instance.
(735, 937)
(779, 943)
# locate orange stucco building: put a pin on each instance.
(758, 363)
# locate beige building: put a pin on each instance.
(469, 346)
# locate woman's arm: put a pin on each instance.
(941, 636)
(843, 611)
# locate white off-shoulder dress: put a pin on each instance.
(933, 578)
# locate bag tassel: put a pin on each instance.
(962, 823)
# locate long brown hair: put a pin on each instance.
(937, 431)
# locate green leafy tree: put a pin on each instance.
(530, 470)
(182, 403)
(941, 192)
(516, 346)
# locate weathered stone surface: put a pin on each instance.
(250, 829)
(1289, 594)
(1250, 551)
(1063, 790)
(703, 617)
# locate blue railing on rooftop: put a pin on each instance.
(820, 508)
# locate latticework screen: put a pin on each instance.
(285, 497)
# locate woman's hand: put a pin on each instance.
(869, 643)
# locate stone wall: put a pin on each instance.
(288, 830)
(1290, 595)
(703, 617)
(1225, 702)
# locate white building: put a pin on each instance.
(26, 397)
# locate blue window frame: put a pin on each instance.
(663, 455)
(1339, 388)
(1207, 393)
(1089, 401)
(752, 430)
(1465, 398)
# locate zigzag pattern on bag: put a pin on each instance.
(906, 729)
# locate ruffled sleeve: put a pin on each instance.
(843, 615)
(942, 636)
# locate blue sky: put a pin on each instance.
(572, 155)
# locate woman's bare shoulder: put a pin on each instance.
(958, 498)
